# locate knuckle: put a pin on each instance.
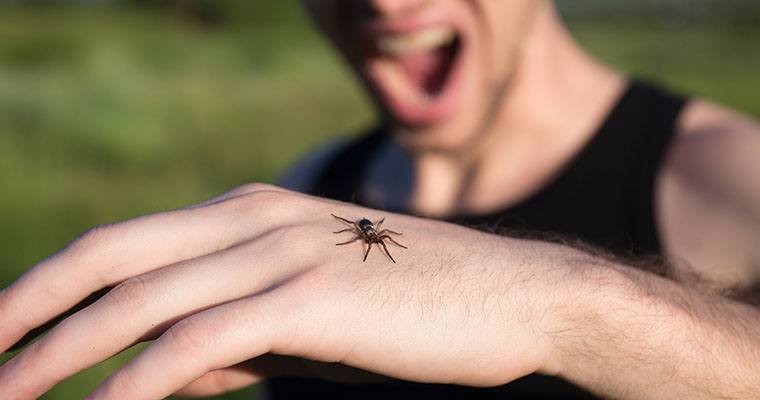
(245, 189)
(93, 238)
(275, 240)
(264, 200)
(270, 205)
(240, 191)
(190, 336)
(272, 195)
(265, 197)
(120, 384)
(317, 291)
(317, 283)
(255, 187)
(129, 296)
(90, 250)
(221, 382)
(258, 203)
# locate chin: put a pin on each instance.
(435, 139)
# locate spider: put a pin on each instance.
(366, 230)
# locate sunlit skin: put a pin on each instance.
(524, 88)
(250, 285)
(491, 33)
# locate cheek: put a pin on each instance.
(510, 23)
(501, 30)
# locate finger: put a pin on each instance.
(245, 374)
(107, 255)
(32, 334)
(153, 302)
(217, 338)
(274, 366)
(220, 381)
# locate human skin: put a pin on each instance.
(527, 90)
(482, 156)
(256, 271)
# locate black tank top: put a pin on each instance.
(604, 196)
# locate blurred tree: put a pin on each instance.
(212, 13)
(669, 11)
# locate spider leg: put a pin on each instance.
(344, 220)
(345, 230)
(386, 251)
(378, 223)
(386, 231)
(369, 247)
(350, 241)
(393, 241)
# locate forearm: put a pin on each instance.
(634, 335)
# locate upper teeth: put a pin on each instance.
(424, 40)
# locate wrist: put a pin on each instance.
(605, 316)
(553, 290)
(573, 297)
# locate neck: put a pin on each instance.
(556, 99)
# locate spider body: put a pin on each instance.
(367, 228)
(369, 232)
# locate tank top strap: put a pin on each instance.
(650, 115)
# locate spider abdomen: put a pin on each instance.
(367, 228)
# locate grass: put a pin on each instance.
(107, 113)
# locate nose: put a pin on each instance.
(394, 7)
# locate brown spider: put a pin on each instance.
(368, 231)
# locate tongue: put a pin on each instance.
(428, 70)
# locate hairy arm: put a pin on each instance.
(692, 334)
(631, 334)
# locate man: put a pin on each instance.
(504, 124)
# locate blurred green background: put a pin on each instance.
(112, 109)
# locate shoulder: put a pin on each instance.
(702, 117)
(709, 192)
(716, 150)
(306, 170)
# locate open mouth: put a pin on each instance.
(417, 73)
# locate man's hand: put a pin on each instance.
(225, 284)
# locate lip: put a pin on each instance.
(405, 110)
(432, 16)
